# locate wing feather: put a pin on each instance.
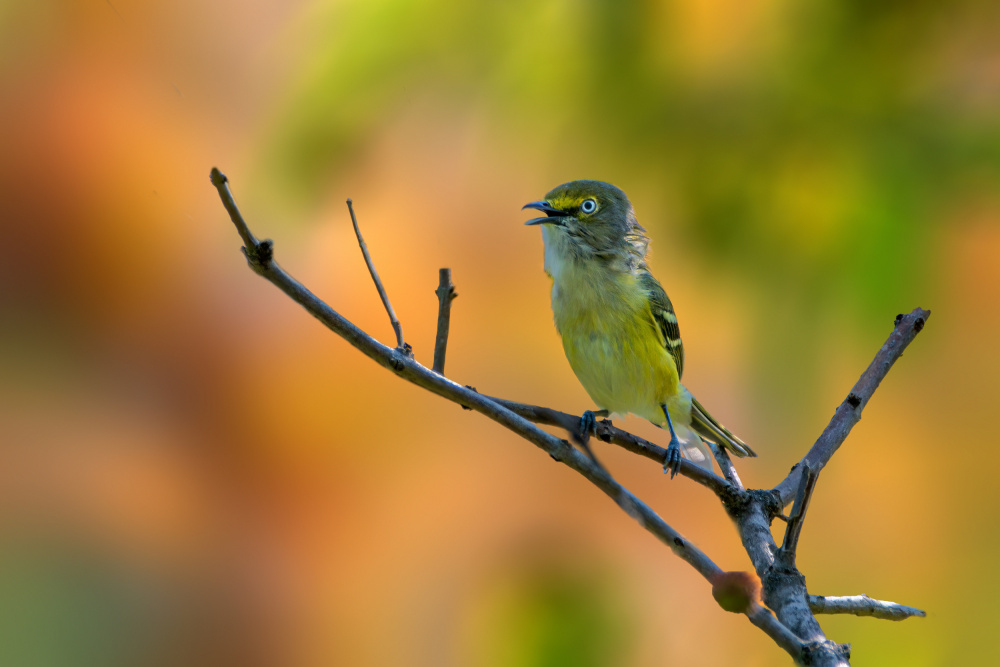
(665, 318)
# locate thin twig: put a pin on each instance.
(726, 465)
(250, 242)
(849, 412)
(862, 605)
(396, 326)
(409, 369)
(798, 514)
(446, 294)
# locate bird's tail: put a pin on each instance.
(707, 427)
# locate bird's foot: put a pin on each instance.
(588, 426)
(672, 463)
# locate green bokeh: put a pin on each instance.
(842, 107)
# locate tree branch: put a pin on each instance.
(396, 326)
(862, 605)
(252, 248)
(798, 514)
(624, 439)
(446, 294)
(408, 368)
(792, 626)
(849, 412)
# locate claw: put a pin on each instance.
(672, 464)
(588, 426)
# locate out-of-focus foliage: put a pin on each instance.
(812, 149)
(809, 139)
(193, 472)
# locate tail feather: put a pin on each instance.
(707, 427)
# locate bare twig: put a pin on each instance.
(251, 246)
(798, 515)
(849, 412)
(862, 605)
(396, 326)
(446, 294)
(726, 465)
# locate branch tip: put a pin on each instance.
(218, 178)
(906, 327)
(257, 255)
(862, 605)
(446, 294)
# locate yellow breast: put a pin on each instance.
(612, 343)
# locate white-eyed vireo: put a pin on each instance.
(618, 327)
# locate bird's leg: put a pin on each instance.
(588, 424)
(673, 462)
(588, 427)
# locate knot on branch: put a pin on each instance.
(604, 430)
(399, 357)
(445, 289)
(781, 580)
(259, 255)
(466, 407)
(818, 652)
(561, 452)
(739, 504)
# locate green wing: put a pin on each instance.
(665, 318)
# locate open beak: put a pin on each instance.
(553, 216)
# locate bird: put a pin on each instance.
(618, 327)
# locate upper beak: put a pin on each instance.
(552, 215)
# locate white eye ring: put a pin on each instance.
(588, 206)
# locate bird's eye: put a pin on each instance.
(588, 206)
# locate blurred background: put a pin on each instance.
(194, 471)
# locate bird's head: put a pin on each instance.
(590, 218)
